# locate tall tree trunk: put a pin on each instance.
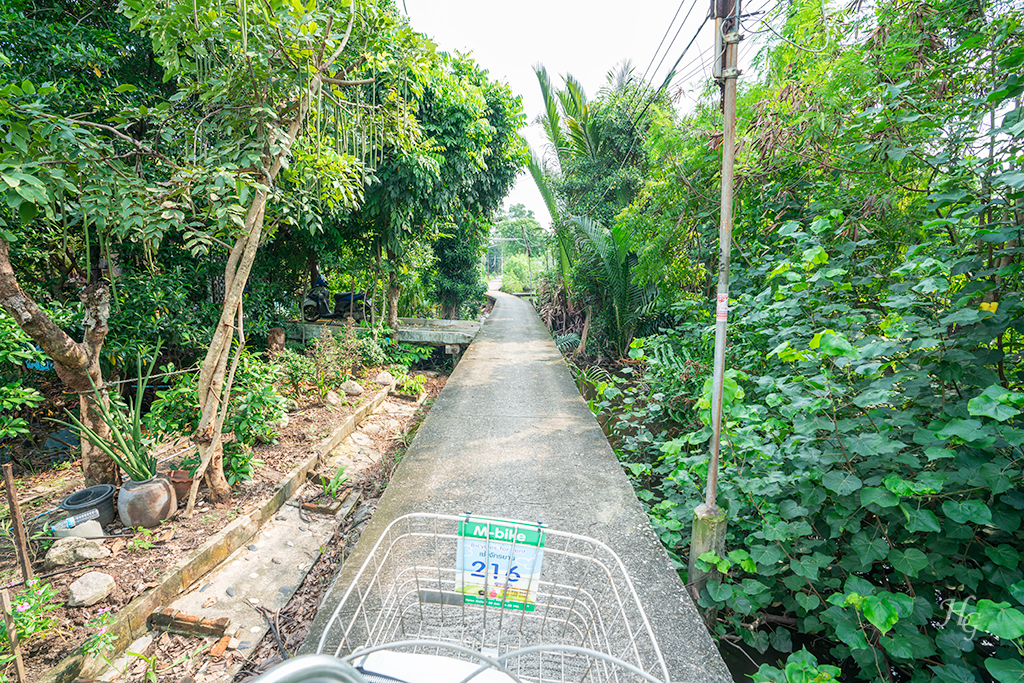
(394, 291)
(76, 362)
(214, 387)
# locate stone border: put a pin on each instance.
(132, 621)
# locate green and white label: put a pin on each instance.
(499, 562)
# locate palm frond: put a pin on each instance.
(567, 342)
(540, 179)
(551, 118)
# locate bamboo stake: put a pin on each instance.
(12, 634)
(20, 542)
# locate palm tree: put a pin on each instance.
(630, 304)
(574, 128)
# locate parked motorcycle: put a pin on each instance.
(316, 305)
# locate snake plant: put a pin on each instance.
(127, 446)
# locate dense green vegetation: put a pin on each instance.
(874, 438)
(182, 173)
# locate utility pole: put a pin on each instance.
(708, 519)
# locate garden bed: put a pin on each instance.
(192, 653)
(138, 560)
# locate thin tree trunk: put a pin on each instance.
(214, 388)
(214, 391)
(76, 363)
(394, 291)
(582, 348)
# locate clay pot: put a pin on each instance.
(146, 503)
(182, 482)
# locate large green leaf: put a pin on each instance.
(878, 496)
(1004, 555)
(841, 482)
(1006, 670)
(910, 561)
(998, 618)
(966, 511)
(967, 430)
(994, 402)
(880, 612)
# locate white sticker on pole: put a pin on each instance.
(722, 309)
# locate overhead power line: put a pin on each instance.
(638, 96)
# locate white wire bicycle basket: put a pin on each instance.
(447, 598)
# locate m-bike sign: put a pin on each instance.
(498, 562)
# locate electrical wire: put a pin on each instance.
(668, 28)
(668, 77)
(675, 37)
(654, 96)
(796, 45)
(637, 98)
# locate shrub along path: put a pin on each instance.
(510, 437)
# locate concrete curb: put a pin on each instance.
(131, 623)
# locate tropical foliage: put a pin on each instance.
(875, 392)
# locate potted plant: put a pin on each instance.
(147, 498)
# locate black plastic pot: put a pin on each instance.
(100, 497)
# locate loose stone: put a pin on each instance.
(72, 550)
(230, 592)
(351, 387)
(276, 561)
(90, 589)
(252, 548)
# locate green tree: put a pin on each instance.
(57, 176)
(458, 171)
(274, 81)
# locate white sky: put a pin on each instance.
(586, 39)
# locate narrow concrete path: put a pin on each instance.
(511, 437)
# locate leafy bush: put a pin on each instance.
(239, 463)
(297, 369)
(334, 357)
(410, 385)
(510, 282)
(371, 353)
(523, 271)
(256, 406)
(15, 350)
(871, 460)
(408, 354)
(175, 410)
(167, 307)
(32, 616)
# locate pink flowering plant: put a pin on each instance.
(31, 609)
(103, 639)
